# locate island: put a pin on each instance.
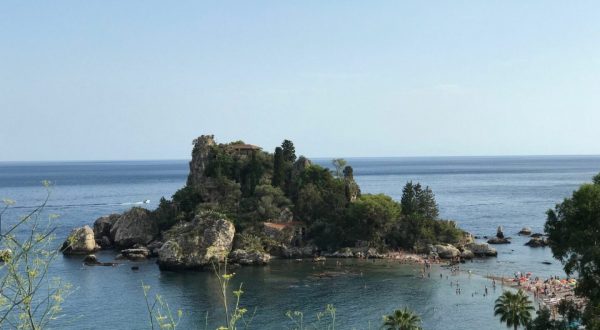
(244, 205)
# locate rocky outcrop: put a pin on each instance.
(482, 250)
(525, 231)
(91, 260)
(467, 254)
(244, 257)
(193, 245)
(500, 238)
(537, 242)
(135, 226)
(200, 159)
(102, 228)
(80, 241)
(497, 240)
(294, 252)
(446, 251)
(136, 253)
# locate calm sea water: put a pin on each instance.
(480, 193)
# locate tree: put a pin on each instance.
(371, 217)
(543, 321)
(572, 229)
(289, 152)
(278, 168)
(514, 309)
(339, 164)
(416, 200)
(401, 319)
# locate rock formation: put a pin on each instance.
(135, 226)
(80, 241)
(193, 245)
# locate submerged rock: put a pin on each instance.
(193, 245)
(537, 242)
(91, 260)
(136, 253)
(525, 231)
(244, 257)
(135, 226)
(80, 241)
(498, 240)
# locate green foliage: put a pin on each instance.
(166, 214)
(572, 229)
(278, 168)
(401, 319)
(543, 321)
(289, 151)
(338, 165)
(514, 309)
(324, 320)
(185, 201)
(371, 217)
(416, 200)
(159, 312)
(29, 299)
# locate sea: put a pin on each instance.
(479, 193)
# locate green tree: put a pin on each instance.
(289, 151)
(278, 168)
(572, 229)
(371, 217)
(401, 319)
(416, 200)
(544, 321)
(339, 164)
(514, 309)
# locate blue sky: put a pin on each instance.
(90, 80)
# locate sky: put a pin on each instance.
(125, 80)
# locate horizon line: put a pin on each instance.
(311, 157)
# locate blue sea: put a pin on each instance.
(479, 193)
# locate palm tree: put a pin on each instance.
(514, 309)
(401, 319)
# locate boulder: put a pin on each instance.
(537, 242)
(135, 226)
(526, 231)
(154, 247)
(193, 245)
(105, 242)
(467, 254)
(244, 257)
(499, 232)
(80, 241)
(103, 225)
(482, 250)
(446, 251)
(498, 240)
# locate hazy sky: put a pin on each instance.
(90, 80)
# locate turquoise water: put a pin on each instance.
(479, 193)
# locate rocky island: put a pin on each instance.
(247, 206)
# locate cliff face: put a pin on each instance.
(200, 159)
